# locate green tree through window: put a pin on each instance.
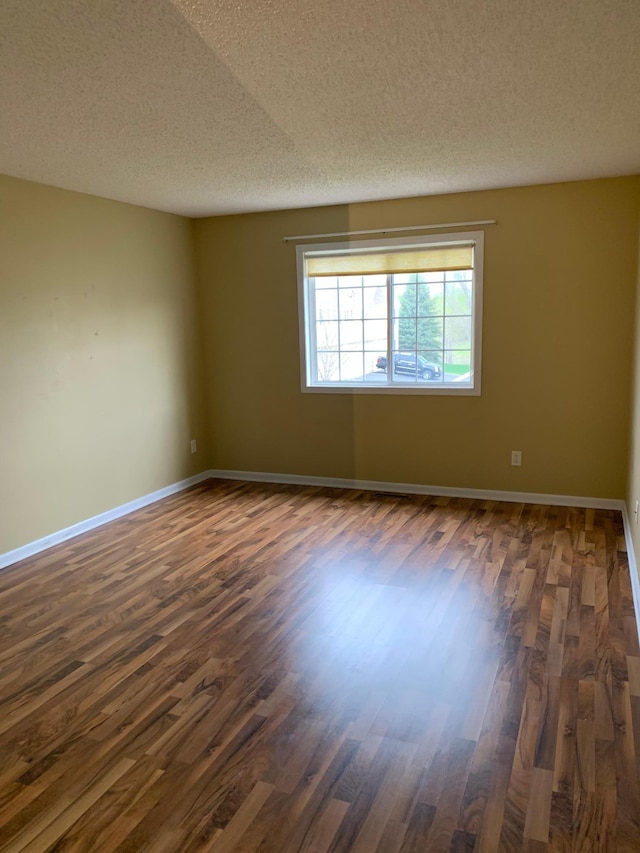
(419, 326)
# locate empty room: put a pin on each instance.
(319, 426)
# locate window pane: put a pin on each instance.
(374, 281)
(351, 335)
(322, 282)
(458, 298)
(457, 332)
(432, 364)
(458, 275)
(457, 365)
(351, 303)
(404, 300)
(404, 366)
(431, 276)
(429, 332)
(326, 305)
(327, 335)
(375, 335)
(430, 299)
(375, 301)
(327, 366)
(350, 281)
(433, 356)
(405, 333)
(351, 366)
(375, 366)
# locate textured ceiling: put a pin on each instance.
(222, 106)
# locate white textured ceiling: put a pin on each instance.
(220, 106)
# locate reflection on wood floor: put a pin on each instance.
(248, 667)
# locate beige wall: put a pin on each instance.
(103, 381)
(559, 280)
(100, 384)
(633, 486)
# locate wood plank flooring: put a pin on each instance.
(273, 669)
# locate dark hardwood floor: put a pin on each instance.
(248, 667)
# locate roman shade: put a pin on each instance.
(405, 260)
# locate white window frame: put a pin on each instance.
(392, 386)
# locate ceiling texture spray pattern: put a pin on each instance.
(217, 106)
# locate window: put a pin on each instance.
(392, 316)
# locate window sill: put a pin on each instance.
(449, 390)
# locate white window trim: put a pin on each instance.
(304, 315)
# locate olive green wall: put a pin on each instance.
(559, 297)
(100, 369)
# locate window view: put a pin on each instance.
(393, 316)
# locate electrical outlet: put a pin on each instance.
(635, 512)
(194, 446)
(516, 457)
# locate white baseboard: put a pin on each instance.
(32, 548)
(59, 536)
(414, 489)
(633, 565)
